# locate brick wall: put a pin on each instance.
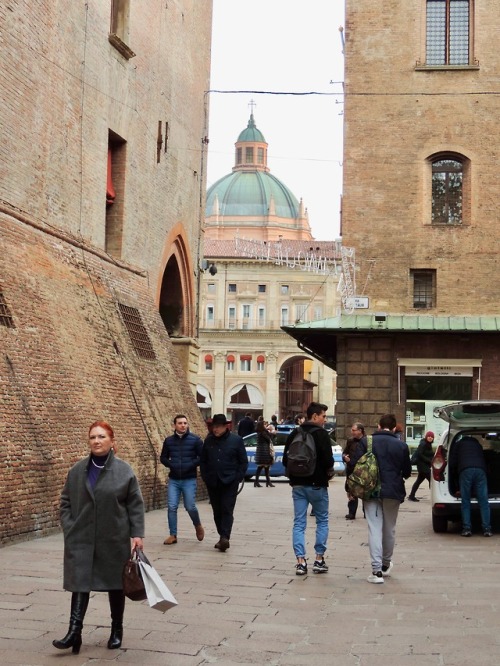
(396, 116)
(69, 360)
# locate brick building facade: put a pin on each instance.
(103, 123)
(420, 209)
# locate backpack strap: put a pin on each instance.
(369, 442)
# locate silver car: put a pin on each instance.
(481, 419)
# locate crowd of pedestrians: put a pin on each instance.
(102, 511)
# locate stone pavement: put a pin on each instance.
(246, 606)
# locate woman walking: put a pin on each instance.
(423, 456)
(264, 454)
(102, 517)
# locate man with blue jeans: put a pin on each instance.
(312, 490)
(181, 455)
(467, 460)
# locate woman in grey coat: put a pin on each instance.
(101, 511)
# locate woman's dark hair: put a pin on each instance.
(260, 427)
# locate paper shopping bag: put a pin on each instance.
(158, 594)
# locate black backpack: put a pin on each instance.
(301, 454)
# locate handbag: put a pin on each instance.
(133, 584)
(157, 593)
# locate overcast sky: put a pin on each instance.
(279, 46)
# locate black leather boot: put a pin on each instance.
(73, 639)
(117, 606)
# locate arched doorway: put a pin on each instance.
(295, 387)
(243, 399)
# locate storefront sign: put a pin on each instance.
(438, 371)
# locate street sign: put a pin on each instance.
(358, 302)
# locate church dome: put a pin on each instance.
(251, 133)
(252, 201)
(251, 193)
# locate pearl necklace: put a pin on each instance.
(96, 465)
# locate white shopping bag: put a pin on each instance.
(159, 596)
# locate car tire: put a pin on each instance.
(439, 523)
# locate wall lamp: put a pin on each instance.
(208, 265)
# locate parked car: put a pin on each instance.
(481, 419)
(277, 468)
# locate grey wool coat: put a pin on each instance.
(98, 524)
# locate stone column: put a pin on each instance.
(272, 386)
(218, 404)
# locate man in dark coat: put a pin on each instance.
(181, 455)
(381, 511)
(223, 465)
(468, 462)
(246, 426)
(312, 490)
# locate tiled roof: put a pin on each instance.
(227, 248)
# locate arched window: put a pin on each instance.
(447, 191)
(209, 362)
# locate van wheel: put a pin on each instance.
(439, 523)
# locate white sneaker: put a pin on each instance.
(386, 570)
(375, 577)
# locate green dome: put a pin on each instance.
(251, 133)
(249, 193)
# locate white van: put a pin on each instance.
(481, 419)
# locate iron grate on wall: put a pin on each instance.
(137, 331)
(5, 313)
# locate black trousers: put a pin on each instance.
(422, 476)
(223, 499)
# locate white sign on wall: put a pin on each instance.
(358, 302)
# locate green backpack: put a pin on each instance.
(364, 481)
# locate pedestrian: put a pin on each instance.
(468, 463)
(423, 458)
(181, 455)
(357, 436)
(223, 465)
(246, 426)
(299, 419)
(102, 518)
(264, 454)
(312, 490)
(381, 510)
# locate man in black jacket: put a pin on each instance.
(223, 465)
(312, 490)
(181, 455)
(381, 511)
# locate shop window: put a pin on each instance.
(424, 288)
(448, 32)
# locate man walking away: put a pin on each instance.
(223, 465)
(312, 490)
(357, 436)
(246, 426)
(381, 511)
(181, 455)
